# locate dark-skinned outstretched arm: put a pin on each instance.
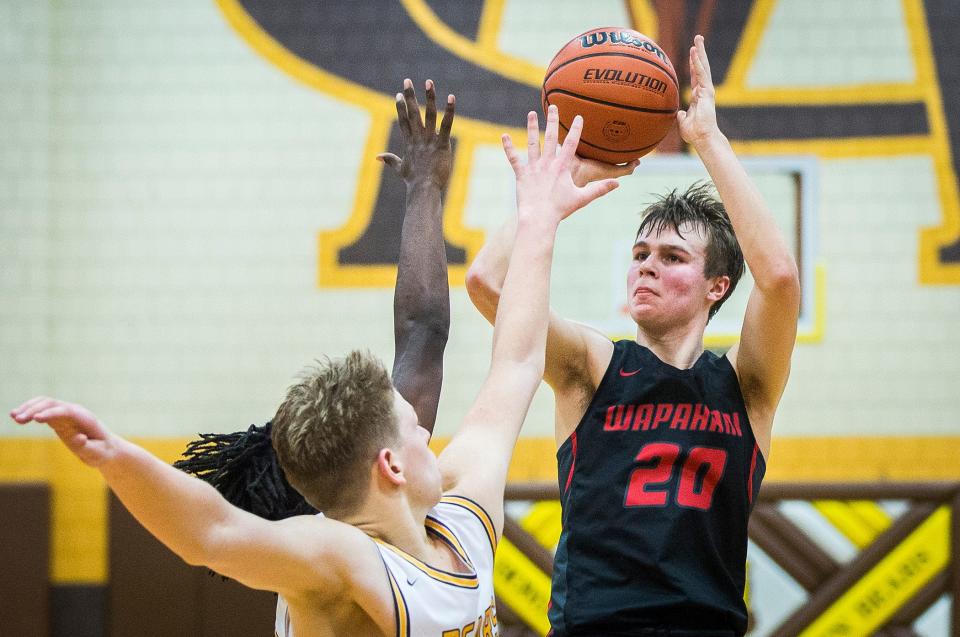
(421, 302)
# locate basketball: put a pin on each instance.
(623, 85)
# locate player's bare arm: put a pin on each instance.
(762, 357)
(577, 354)
(305, 557)
(421, 302)
(546, 194)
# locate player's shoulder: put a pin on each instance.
(333, 541)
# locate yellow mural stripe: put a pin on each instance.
(454, 226)
(852, 522)
(892, 93)
(329, 242)
(645, 18)
(491, 18)
(816, 333)
(746, 53)
(891, 583)
(508, 66)
(522, 586)
(932, 239)
(847, 148)
(872, 515)
(542, 521)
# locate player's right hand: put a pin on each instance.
(586, 170)
(76, 426)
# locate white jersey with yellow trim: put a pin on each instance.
(430, 602)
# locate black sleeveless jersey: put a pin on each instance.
(656, 483)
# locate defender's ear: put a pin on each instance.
(388, 466)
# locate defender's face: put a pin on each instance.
(666, 283)
(420, 464)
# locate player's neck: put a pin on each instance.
(676, 345)
(395, 522)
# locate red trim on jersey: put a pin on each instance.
(573, 460)
(753, 468)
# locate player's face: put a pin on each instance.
(665, 283)
(420, 464)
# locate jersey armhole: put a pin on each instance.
(478, 512)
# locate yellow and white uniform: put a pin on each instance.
(434, 603)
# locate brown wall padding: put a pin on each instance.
(24, 559)
(153, 593)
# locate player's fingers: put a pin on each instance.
(430, 119)
(597, 189)
(511, 154)
(35, 407)
(701, 73)
(390, 160)
(446, 124)
(569, 148)
(413, 108)
(533, 137)
(552, 133)
(693, 70)
(27, 404)
(402, 120)
(52, 412)
(701, 47)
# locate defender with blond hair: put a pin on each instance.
(407, 548)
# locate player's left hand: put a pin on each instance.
(76, 426)
(427, 156)
(698, 123)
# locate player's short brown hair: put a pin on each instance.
(700, 208)
(330, 428)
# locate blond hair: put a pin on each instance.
(331, 426)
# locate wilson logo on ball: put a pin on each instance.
(626, 36)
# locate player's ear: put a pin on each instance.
(718, 288)
(389, 468)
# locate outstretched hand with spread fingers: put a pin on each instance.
(427, 156)
(76, 426)
(545, 181)
(699, 122)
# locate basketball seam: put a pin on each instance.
(612, 150)
(662, 111)
(668, 72)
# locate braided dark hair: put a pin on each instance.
(243, 467)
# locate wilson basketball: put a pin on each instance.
(623, 85)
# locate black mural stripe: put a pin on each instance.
(726, 31)
(586, 98)
(943, 21)
(463, 16)
(833, 121)
(376, 44)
